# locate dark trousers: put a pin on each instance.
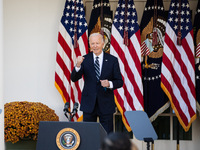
(106, 120)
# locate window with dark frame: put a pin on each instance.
(167, 122)
(164, 125)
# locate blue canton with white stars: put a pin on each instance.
(132, 20)
(68, 18)
(186, 24)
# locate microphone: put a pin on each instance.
(75, 108)
(68, 113)
(66, 107)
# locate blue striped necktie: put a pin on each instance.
(97, 68)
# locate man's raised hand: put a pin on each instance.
(79, 61)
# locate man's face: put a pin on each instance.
(96, 44)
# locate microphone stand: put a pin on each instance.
(71, 114)
(148, 140)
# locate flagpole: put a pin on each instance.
(155, 40)
(101, 19)
(152, 146)
(178, 43)
(177, 140)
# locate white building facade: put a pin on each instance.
(28, 44)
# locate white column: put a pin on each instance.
(1, 78)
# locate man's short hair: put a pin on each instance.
(96, 34)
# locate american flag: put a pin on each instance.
(144, 49)
(72, 42)
(197, 30)
(198, 50)
(197, 45)
(125, 45)
(178, 64)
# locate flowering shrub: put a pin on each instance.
(21, 119)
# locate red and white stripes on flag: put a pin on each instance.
(125, 28)
(198, 50)
(178, 64)
(72, 42)
(144, 49)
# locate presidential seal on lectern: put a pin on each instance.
(68, 139)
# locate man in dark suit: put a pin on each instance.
(101, 75)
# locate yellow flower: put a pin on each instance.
(21, 119)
